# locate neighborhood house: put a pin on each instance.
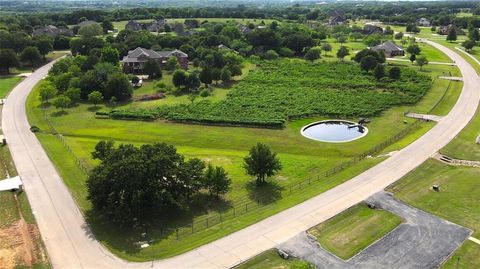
(154, 26)
(423, 22)
(134, 62)
(390, 49)
(52, 31)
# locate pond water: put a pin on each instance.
(335, 131)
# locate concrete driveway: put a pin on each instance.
(422, 241)
(71, 245)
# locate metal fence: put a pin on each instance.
(247, 204)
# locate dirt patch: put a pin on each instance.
(20, 245)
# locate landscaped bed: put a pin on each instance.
(353, 230)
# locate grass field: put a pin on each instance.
(225, 146)
(457, 201)
(7, 83)
(353, 230)
(271, 260)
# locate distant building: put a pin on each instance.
(336, 18)
(223, 47)
(369, 29)
(52, 31)
(443, 30)
(390, 49)
(153, 26)
(423, 22)
(133, 26)
(134, 62)
(244, 29)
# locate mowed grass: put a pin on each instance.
(464, 146)
(353, 230)
(457, 201)
(226, 146)
(466, 257)
(7, 83)
(270, 260)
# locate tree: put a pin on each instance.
(216, 74)
(368, 63)
(134, 184)
(326, 48)
(73, 94)
(119, 86)
(192, 82)
(468, 44)
(380, 56)
(372, 40)
(110, 55)
(313, 54)
(206, 76)
(152, 69)
(473, 34)
(31, 54)
(355, 36)
(452, 34)
(61, 102)
(298, 41)
(107, 25)
(91, 30)
(216, 180)
(398, 35)
(192, 97)
(95, 98)
(47, 91)
(44, 45)
(379, 71)
(261, 162)
(421, 61)
(413, 57)
(270, 55)
(179, 78)
(394, 72)
(171, 64)
(226, 75)
(8, 59)
(414, 49)
(342, 52)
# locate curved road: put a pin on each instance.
(70, 245)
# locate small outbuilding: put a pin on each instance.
(11, 184)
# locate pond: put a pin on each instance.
(335, 131)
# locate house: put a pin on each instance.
(53, 31)
(244, 29)
(370, 29)
(390, 49)
(133, 26)
(336, 18)
(445, 29)
(423, 22)
(134, 62)
(155, 26)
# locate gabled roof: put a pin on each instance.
(388, 46)
(133, 55)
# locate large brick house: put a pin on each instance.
(52, 31)
(135, 60)
(153, 26)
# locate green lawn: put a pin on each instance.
(463, 146)
(271, 260)
(226, 146)
(466, 257)
(7, 83)
(457, 200)
(353, 230)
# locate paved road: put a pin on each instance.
(70, 245)
(421, 241)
